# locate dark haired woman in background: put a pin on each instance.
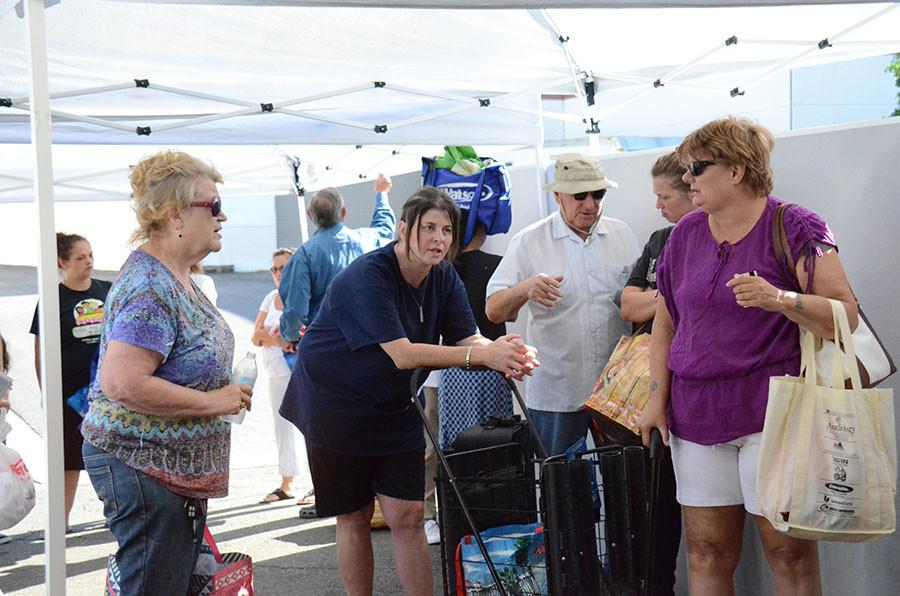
(288, 441)
(81, 300)
(382, 317)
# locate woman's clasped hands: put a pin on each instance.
(511, 356)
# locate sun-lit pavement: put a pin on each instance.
(290, 555)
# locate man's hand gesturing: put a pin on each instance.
(545, 289)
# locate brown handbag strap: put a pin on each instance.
(789, 271)
(782, 248)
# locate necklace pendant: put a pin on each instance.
(421, 315)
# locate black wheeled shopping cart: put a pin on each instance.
(515, 523)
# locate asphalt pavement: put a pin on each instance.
(290, 555)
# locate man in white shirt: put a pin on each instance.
(567, 271)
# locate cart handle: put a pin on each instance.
(418, 377)
(656, 444)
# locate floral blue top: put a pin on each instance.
(148, 307)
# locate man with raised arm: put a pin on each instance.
(332, 247)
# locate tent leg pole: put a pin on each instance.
(55, 542)
(304, 224)
(595, 144)
(538, 144)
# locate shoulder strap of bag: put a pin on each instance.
(789, 270)
(783, 249)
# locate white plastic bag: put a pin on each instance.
(873, 357)
(16, 488)
(828, 458)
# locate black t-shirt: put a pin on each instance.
(344, 384)
(475, 268)
(80, 322)
(643, 273)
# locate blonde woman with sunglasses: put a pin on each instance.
(155, 444)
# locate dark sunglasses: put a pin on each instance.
(597, 195)
(275, 270)
(696, 168)
(215, 207)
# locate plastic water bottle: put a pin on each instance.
(244, 374)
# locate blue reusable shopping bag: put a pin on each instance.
(491, 187)
(79, 401)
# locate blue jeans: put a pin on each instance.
(157, 552)
(559, 430)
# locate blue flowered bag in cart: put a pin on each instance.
(518, 554)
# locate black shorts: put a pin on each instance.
(72, 439)
(347, 483)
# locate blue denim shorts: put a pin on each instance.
(157, 547)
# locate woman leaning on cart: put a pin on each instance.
(726, 321)
(349, 393)
(155, 446)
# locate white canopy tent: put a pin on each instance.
(459, 76)
(270, 72)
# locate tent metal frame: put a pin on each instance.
(578, 79)
(283, 107)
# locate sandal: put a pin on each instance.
(275, 496)
(308, 499)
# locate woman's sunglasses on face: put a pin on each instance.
(277, 269)
(214, 206)
(696, 168)
(597, 195)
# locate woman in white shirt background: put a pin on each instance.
(289, 441)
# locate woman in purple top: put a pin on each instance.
(155, 445)
(726, 321)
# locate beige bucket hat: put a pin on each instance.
(577, 173)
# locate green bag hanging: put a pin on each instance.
(461, 159)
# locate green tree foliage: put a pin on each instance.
(894, 69)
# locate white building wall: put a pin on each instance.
(248, 237)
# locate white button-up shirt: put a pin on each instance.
(575, 337)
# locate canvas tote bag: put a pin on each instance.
(828, 457)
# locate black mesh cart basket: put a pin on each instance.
(575, 525)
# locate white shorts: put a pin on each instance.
(717, 475)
